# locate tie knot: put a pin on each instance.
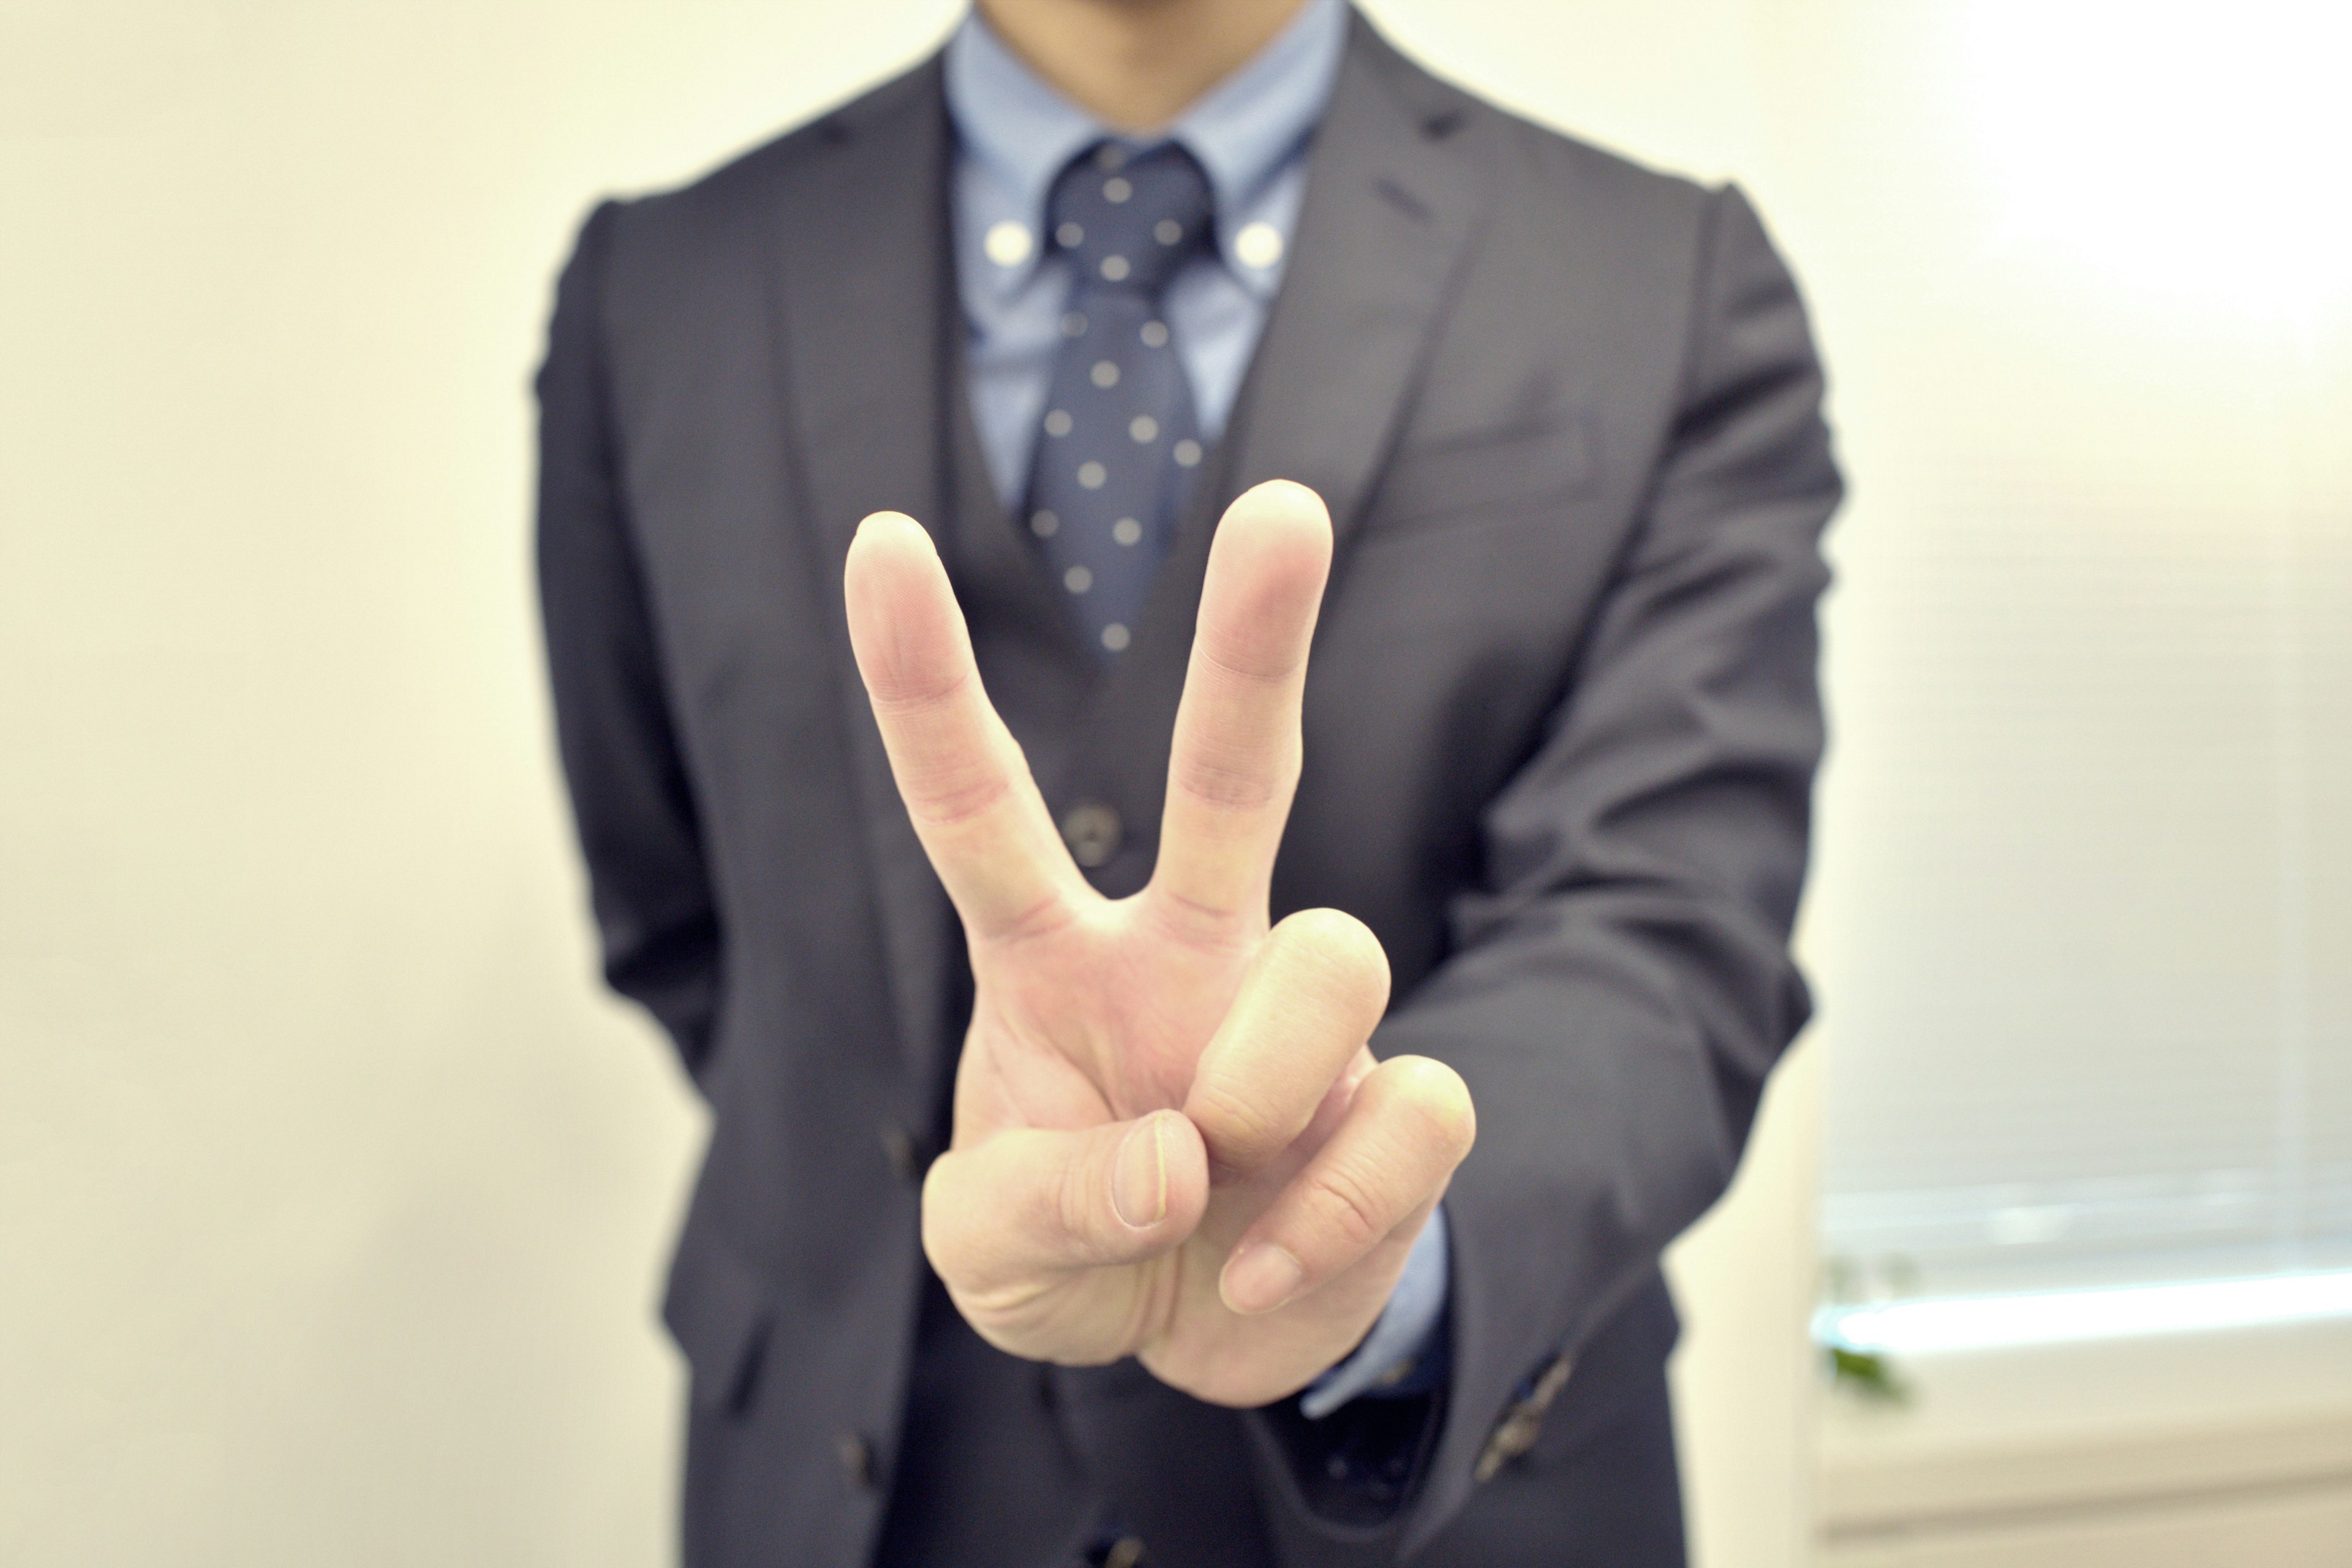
(1128, 220)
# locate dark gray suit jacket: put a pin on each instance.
(1560, 728)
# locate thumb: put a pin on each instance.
(1036, 1202)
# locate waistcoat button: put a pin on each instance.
(905, 1155)
(1091, 830)
(857, 1457)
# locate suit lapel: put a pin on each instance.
(1391, 201)
(860, 269)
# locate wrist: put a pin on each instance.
(1405, 1351)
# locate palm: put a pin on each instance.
(1075, 1218)
(1099, 1019)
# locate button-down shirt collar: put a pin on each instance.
(1243, 131)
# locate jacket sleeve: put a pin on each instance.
(656, 916)
(1620, 984)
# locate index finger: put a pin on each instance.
(1233, 764)
(966, 785)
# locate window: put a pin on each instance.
(2082, 916)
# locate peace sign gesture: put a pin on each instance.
(1171, 1141)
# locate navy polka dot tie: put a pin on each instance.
(1119, 443)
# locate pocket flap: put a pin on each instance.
(1557, 455)
(719, 1311)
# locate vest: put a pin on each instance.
(983, 1439)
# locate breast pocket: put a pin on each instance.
(1462, 478)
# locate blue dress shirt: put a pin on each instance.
(1251, 134)
(1014, 134)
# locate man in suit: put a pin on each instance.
(940, 758)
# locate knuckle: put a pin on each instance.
(939, 1247)
(1234, 1128)
(1346, 1206)
(1051, 913)
(1227, 784)
(895, 691)
(955, 794)
(1193, 922)
(1241, 655)
(946, 1234)
(1432, 1097)
(1001, 1314)
(1075, 1199)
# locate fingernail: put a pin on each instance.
(1139, 1183)
(1262, 1278)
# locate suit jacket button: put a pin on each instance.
(1091, 830)
(905, 1155)
(857, 1457)
(1522, 1423)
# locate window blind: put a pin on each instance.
(2086, 895)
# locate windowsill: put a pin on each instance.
(2017, 1433)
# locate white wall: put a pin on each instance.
(331, 1193)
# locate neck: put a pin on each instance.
(1135, 64)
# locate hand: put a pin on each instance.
(1171, 1141)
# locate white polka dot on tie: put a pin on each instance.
(1058, 423)
(1073, 325)
(1167, 231)
(1077, 579)
(1155, 334)
(1110, 155)
(1187, 454)
(1258, 245)
(1091, 475)
(1115, 191)
(1008, 244)
(1115, 637)
(1071, 236)
(1105, 373)
(1127, 531)
(1115, 268)
(1144, 427)
(1043, 523)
